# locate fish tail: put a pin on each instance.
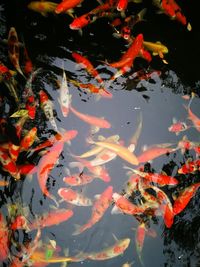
(80, 229)
(142, 13)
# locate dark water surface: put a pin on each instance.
(50, 42)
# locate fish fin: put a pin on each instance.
(117, 35)
(101, 138)
(155, 53)
(116, 210)
(89, 140)
(159, 12)
(115, 238)
(174, 120)
(76, 164)
(77, 229)
(97, 196)
(67, 171)
(97, 97)
(131, 147)
(100, 2)
(80, 31)
(163, 173)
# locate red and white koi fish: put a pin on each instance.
(9, 165)
(111, 252)
(78, 179)
(92, 120)
(14, 151)
(184, 198)
(47, 106)
(190, 167)
(51, 218)
(28, 139)
(20, 222)
(13, 49)
(123, 205)
(120, 150)
(154, 152)
(46, 164)
(97, 171)
(159, 178)
(65, 97)
(178, 126)
(74, 197)
(131, 185)
(65, 5)
(86, 64)
(122, 5)
(165, 206)
(103, 157)
(139, 239)
(98, 210)
(42, 7)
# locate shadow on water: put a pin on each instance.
(159, 94)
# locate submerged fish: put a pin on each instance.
(74, 197)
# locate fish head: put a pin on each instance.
(80, 22)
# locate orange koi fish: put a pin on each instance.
(86, 64)
(131, 185)
(74, 197)
(159, 178)
(99, 122)
(28, 139)
(46, 164)
(4, 239)
(165, 206)
(98, 210)
(4, 183)
(184, 198)
(129, 57)
(51, 218)
(125, 206)
(28, 66)
(20, 222)
(14, 151)
(26, 169)
(139, 238)
(9, 165)
(189, 167)
(13, 49)
(84, 20)
(78, 179)
(42, 7)
(111, 252)
(65, 97)
(154, 152)
(195, 120)
(120, 150)
(47, 106)
(178, 126)
(65, 5)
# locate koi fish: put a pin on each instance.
(123, 205)
(84, 20)
(122, 5)
(185, 144)
(9, 165)
(128, 58)
(111, 252)
(189, 167)
(156, 48)
(65, 5)
(159, 178)
(134, 139)
(14, 151)
(13, 49)
(65, 97)
(51, 218)
(184, 198)
(74, 197)
(165, 207)
(42, 7)
(47, 106)
(26, 169)
(5, 73)
(97, 171)
(154, 152)
(28, 66)
(178, 126)
(46, 164)
(86, 64)
(78, 179)
(99, 122)
(195, 120)
(4, 238)
(20, 222)
(28, 139)
(139, 238)
(98, 210)
(4, 183)
(120, 150)
(131, 185)
(103, 157)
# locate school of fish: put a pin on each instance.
(27, 142)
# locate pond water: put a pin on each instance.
(151, 102)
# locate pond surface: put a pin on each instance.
(143, 107)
